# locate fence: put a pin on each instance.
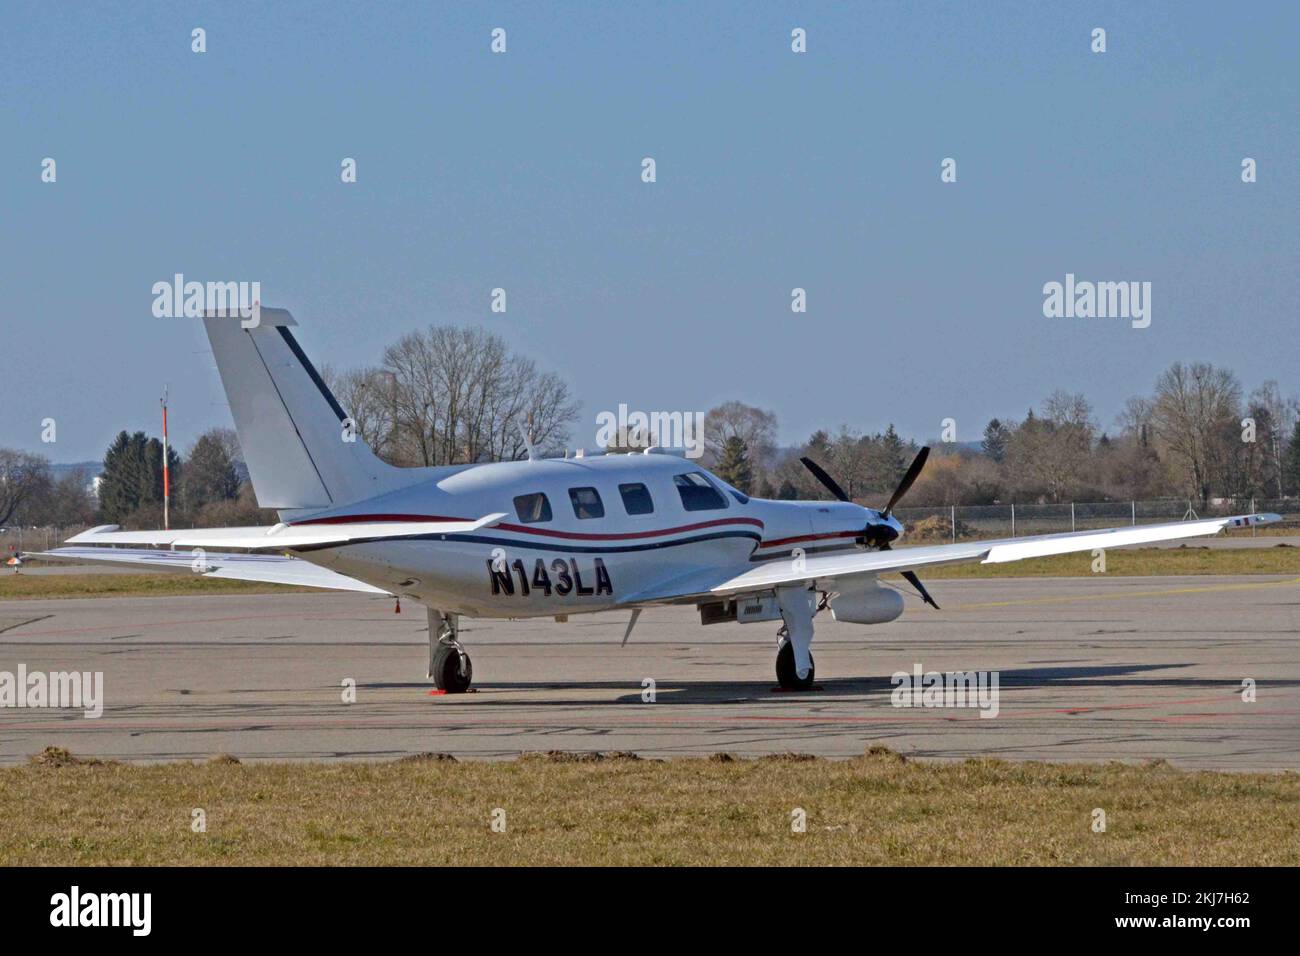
(1015, 520)
(937, 524)
(34, 539)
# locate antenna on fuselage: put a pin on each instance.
(528, 442)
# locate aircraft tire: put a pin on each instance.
(786, 674)
(446, 671)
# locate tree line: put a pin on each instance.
(440, 396)
(1196, 436)
(449, 395)
(209, 486)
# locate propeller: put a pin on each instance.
(820, 474)
(911, 578)
(913, 470)
(877, 534)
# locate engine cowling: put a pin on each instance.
(871, 604)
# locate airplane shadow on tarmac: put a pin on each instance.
(1116, 676)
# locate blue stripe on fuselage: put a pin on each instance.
(535, 545)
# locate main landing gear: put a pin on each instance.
(794, 661)
(449, 665)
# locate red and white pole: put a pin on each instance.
(167, 484)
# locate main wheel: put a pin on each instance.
(787, 675)
(447, 675)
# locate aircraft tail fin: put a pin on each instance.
(291, 428)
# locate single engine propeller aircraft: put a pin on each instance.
(546, 537)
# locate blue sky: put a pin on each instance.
(775, 170)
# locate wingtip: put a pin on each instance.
(90, 533)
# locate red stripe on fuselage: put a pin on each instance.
(357, 519)
(533, 529)
(811, 537)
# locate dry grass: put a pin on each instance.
(43, 587)
(1158, 562)
(876, 809)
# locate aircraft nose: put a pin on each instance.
(881, 529)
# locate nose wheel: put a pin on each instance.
(786, 673)
(794, 662)
(449, 665)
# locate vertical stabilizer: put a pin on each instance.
(291, 428)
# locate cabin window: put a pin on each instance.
(698, 493)
(586, 503)
(731, 490)
(533, 508)
(636, 499)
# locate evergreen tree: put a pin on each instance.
(1291, 464)
(118, 491)
(734, 466)
(894, 458)
(209, 473)
(819, 445)
(133, 475)
(994, 444)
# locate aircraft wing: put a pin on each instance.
(281, 537)
(271, 568)
(824, 572)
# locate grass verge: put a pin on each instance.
(565, 809)
(48, 587)
(1137, 562)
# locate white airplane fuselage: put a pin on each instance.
(618, 525)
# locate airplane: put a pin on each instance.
(547, 537)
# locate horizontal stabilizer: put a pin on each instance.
(282, 537)
(267, 568)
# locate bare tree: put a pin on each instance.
(24, 479)
(366, 394)
(229, 440)
(1069, 410)
(1135, 419)
(1281, 415)
(459, 395)
(753, 426)
(71, 503)
(1051, 455)
(1194, 414)
(1131, 469)
(849, 462)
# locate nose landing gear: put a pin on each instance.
(786, 675)
(449, 665)
(794, 660)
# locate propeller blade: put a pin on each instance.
(911, 578)
(913, 470)
(825, 479)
